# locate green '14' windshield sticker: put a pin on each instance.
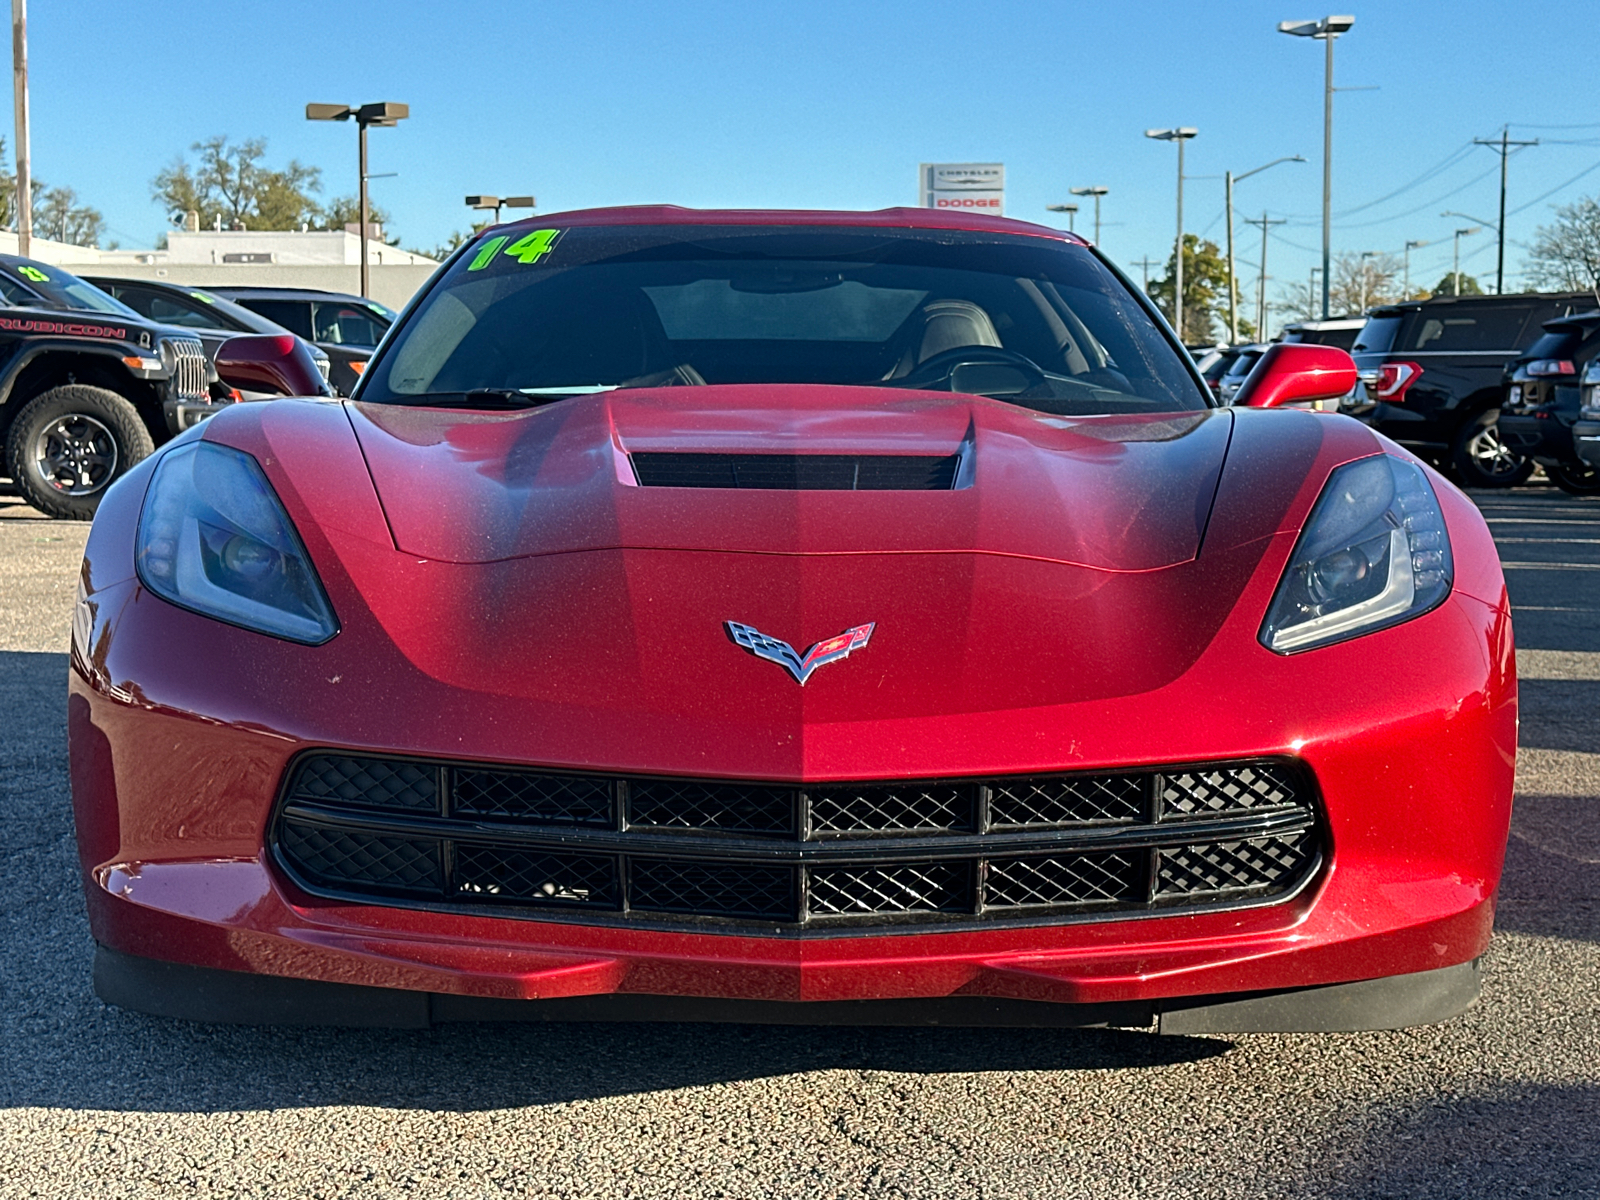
(527, 249)
(34, 274)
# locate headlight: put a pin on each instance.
(1374, 553)
(169, 354)
(214, 538)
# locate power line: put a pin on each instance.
(1587, 170)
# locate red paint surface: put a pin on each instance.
(546, 611)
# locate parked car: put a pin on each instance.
(1244, 360)
(1586, 430)
(1543, 398)
(1214, 364)
(347, 328)
(1431, 376)
(212, 318)
(623, 624)
(1336, 331)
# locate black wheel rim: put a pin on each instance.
(76, 455)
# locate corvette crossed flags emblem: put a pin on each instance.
(799, 665)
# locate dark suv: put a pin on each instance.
(346, 327)
(1431, 375)
(1543, 396)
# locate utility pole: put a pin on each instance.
(19, 70)
(1504, 145)
(1261, 284)
(1311, 295)
(1406, 288)
(1145, 264)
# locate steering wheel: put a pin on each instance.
(942, 365)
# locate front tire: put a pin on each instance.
(68, 445)
(1575, 481)
(1483, 460)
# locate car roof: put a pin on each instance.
(1330, 323)
(254, 321)
(233, 291)
(1411, 306)
(882, 218)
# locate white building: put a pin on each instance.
(327, 260)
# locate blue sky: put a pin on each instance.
(833, 105)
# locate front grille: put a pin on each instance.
(797, 856)
(190, 370)
(799, 472)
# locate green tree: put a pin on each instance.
(1469, 286)
(1565, 255)
(1205, 289)
(231, 181)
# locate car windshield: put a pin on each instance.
(527, 317)
(61, 289)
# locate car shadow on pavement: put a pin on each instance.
(1518, 1140)
(107, 1059)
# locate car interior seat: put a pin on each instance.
(945, 325)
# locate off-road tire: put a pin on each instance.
(1483, 460)
(107, 430)
(1575, 481)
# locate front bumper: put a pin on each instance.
(1415, 773)
(185, 414)
(1586, 441)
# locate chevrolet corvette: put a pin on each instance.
(792, 617)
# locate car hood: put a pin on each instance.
(1111, 493)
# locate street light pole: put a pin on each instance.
(1328, 28)
(1233, 289)
(386, 113)
(1410, 246)
(1096, 192)
(495, 202)
(1180, 135)
(1072, 214)
(1361, 266)
(1455, 265)
(19, 69)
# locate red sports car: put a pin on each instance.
(785, 616)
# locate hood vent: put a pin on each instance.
(799, 472)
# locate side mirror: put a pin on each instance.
(270, 362)
(1297, 373)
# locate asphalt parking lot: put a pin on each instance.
(1503, 1101)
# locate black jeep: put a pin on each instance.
(1431, 376)
(87, 386)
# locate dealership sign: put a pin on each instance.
(968, 187)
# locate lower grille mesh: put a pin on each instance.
(411, 831)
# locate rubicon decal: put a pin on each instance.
(799, 665)
(95, 331)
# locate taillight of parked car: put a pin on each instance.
(1541, 367)
(1395, 380)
